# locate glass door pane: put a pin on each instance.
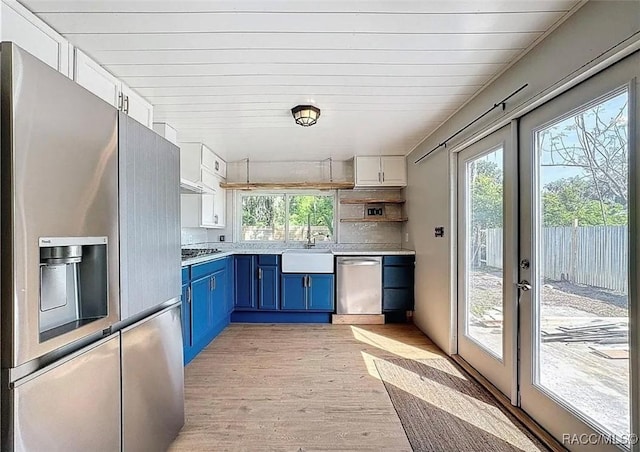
(484, 276)
(487, 209)
(581, 347)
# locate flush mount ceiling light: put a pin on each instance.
(305, 115)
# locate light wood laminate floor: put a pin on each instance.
(298, 388)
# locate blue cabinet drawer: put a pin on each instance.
(268, 259)
(398, 260)
(186, 274)
(397, 299)
(397, 276)
(207, 268)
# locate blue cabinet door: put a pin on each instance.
(245, 282)
(218, 297)
(230, 297)
(268, 287)
(200, 309)
(294, 292)
(320, 293)
(186, 317)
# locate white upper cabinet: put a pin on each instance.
(102, 83)
(394, 171)
(198, 164)
(201, 170)
(166, 131)
(96, 79)
(134, 105)
(385, 171)
(213, 163)
(23, 28)
(219, 205)
(367, 171)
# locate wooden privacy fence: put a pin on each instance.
(591, 255)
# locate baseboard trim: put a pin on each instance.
(544, 436)
(357, 319)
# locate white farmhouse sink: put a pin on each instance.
(307, 261)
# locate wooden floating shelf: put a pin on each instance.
(373, 220)
(286, 185)
(372, 201)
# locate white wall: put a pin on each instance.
(598, 30)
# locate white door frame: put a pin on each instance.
(554, 417)
(502, 373)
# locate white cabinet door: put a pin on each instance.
(219, 206)
(394, 171)
(190, 166)
(96, 79)
(209, 180)
(220, 167)
(368, 171)
(208, 212)
(33, 35)
(208, 159)
(137, 107)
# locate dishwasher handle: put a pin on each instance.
(359, 262)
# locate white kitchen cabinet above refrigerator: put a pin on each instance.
(385, 171)
(26, 30)
(92, 76)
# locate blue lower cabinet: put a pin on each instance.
(397, 284)
(245, 273)
(231, 293)
(206, 306)
(294, 292)
(320, 293)
(186, 317)
(307, 292)
(268, 287)
(201, 315)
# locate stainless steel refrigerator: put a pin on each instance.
(89, 311)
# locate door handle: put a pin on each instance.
(126, 104)
(308, 281)
(524, 285)
(383, 176)
(189, 294)
(120, 99)
(213, 283)
(304, 281)
(259, 273)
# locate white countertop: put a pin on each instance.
(350, 252)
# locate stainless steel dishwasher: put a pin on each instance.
(359, 282)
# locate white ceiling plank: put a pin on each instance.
(303, 41)
(326, 80)
(307, 90)
(196, 6)
(317, 70)
(348, 23)
(300, 56)
(428, 102)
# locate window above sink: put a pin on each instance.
(286, 217)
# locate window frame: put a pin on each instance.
(287, 194)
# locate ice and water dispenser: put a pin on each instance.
(73, 283)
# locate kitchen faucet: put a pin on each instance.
(310, 243)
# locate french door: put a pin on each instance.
(486, 237)
(575, 304)
(548, 217)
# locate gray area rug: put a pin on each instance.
(443, 409)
